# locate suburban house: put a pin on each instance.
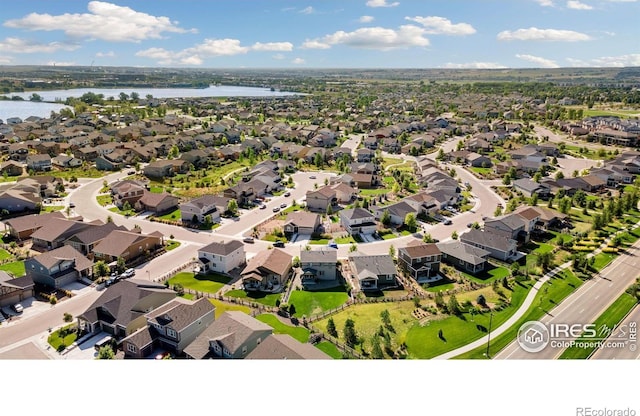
(510, 226)
(121, 309)
(156, 203)
(86, 240)
(212, 205)
(318, 265)
(373, 272)
(245, 192)
(529, 187)
(17, 200)
(500, 247)
(267, 271)
(127, 244)
(397, 212)
(172, 326)
(233, 335)
(420, 260)
(166, 168)
(285, 347)
(56, 231)
(11, 168)
(59, 267)
(127, 191)
(358, 221)
(301, 222)
(21, 228)
(14, 290)
(38, 162)
(463, 256)
(222, 256)
(321, 199)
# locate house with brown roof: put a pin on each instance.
(17, 200)
(212, 205)
(285, 347)
(420, 260)
(222, 256)
(54, 233)
(127, 191)
(121, 309)
(267, 271)
(233, 335)
(14, 290)
(126, 244)
(166, 168)
(301, 222)
(11, 168)
(59, 267)
(21, 228)
(172, 327)
(321, 199)
(86, 240)
(156, 203)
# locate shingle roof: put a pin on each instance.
(222, 248)
(323, 255)
(285, 347)
(58, 227)
(356, 213)
(463, 251)
(30, 222)
(93, 234)
(50, 258)
(419, 249)
(302, 219)
(117, 242)
(274, 260)
(381, 264)
(180, 313)
(486, 239)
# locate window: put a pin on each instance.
(172, 333)
(131, 348)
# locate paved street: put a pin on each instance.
(631, 351)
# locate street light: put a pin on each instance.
(489, 334)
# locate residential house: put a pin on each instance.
(420, 260)
(121, 309)
(172, 326)
(301, 222)
(127, 191)
(222, 256)
(156, 203)
(212, 205)
(397, 212)
(285, 347)
(318, 265)
(365, 155)
(511, 226)
(267, 271)
(86, 240)
(38, 162)
(127, 244)
(233, 335)
(373, 272)
(501, 247)
(344, 193)
(478, 161)
(64, 161)
(56, 231)
(166, 168)
(529, 187)
(59, 267)
(11, 168)
(21, 228)
(14, 290)
(358, 221)
(321, 199)
(16, 200)
(464, 256)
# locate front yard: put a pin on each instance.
(209, 283)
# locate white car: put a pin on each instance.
(18, 308)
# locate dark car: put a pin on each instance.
(283, 205)
(276, 209)
(287, 193)
(278, 244)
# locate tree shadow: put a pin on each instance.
(482, 328)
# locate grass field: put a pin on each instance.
(297, 332)
(4, 254)
(104, 200)
(222, 307)
(171, 244)
(209, 283)
(16, 268)
(549, 296)
(268, 299)
(488, 275)
(311, 303)
(172, 215)
(62, 338)
(609, 319)
(329, 349)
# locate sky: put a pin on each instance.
(322, 34)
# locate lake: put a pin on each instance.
(24, 109)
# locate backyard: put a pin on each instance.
(311, 303)
(208, 283)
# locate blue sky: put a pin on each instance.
(322, 34)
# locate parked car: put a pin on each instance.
(72, 205)
(128, 273)
(332, 245)
(312, 177)
(278, 244)
(131, 172)
(447, 222)
(18, 308)
(287, 193)
(248, 240)
(283, 205)
(276, 209)
(263, 206)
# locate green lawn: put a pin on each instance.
(172, 244)
(209, 283)
(602, 259)
(439, 288)
(222, 307)
(312, 303)
(104, 200)
(268, 299)
(16, 268)
(4, 254)
(121, 212)
(345, 240)
(298, 332)
(173, 215)
(51, 208)
(320, 241)
(609, 319)
(62, 338)
(488, 275)
(374, 192)
(329, 349)
(90, 172)
(549, 296)
(423, 341)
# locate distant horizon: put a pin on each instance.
(456, 34)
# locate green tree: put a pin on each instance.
(331, 328)
(67, 317)
(101, 268)
(453, 305)
(454, 235)
(349, 333)
(410, 221)
(106, 353)
(427, 238)
(385, 219)
(376, 350)
(232, 207)
(544, 260)
(498, 211)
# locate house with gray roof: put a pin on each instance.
(464, 256)
(212, 205)
(59, 267)
(510, 225)
(358, 221)
(301, 222)
(373, 272)
(14, 289)
(318, 265)
(267, 271)
(501, 247)
(233, 335)
(529, 187)
(285, 347)
(420, 260)
(397, 211)
(222, 256)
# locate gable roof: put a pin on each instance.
(285, 347)
(57, 227)
(322, 255)
(222, 248)
(487, 239)
(179, 313)
(50, 258)
(118, 242)
(463, 251)
(30, 222)
(377, 264)
(275, 260)
(302, 219)
(419, 249)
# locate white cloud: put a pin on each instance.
(618, 61)
(105, 21)
(577, 62)
(474, 65)
(379, 38)
(545, 3)
(17, 45)
(109, 54)
(278, 56)
(576, 5)
(366, 19)
(273, 46)
(308, 10)
(552, 35)
(539, 61)
(57, 63)
(437, 25)
(5, 60)
(381, 3)
(298, 61)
